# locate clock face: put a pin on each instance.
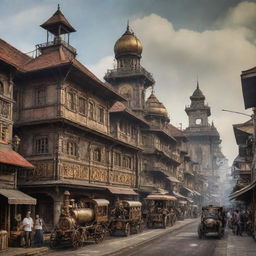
(126, 91)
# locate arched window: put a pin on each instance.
(1, 88)
(198, 121)
(97, 155)
(71, 148)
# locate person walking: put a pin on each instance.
(39, 237)
(27, 228)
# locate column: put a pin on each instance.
(56, 211)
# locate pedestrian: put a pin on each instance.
(27, 228)
(39, 236)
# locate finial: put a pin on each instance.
(128, 26)
(58, 7)
(197, 83)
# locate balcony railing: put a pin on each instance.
(56, 42)
(129, 71)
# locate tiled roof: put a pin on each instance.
(120, 107)
(12, 55)
(46, 60)
(175, 132)
(12, 158)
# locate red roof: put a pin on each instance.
(13, 158)
(12, 55)
(175, 132)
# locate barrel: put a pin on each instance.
(83, 215)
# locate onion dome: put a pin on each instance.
(197, 94)
(155, 107)
(128, 44)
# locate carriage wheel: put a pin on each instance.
(54, 240)
(99, 235)
(76, 239)
(127, 230)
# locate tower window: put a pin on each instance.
(101, 115)
(198, 121)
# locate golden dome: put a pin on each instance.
(155, 107)
(128, 44)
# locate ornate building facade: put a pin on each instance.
(98, 139)
(12, 201)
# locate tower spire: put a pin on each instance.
(58, 7)
(197, 82)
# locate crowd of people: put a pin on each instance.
(32, 231)
(240, 221)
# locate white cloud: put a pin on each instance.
(176, 57)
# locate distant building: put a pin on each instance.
(204, 142)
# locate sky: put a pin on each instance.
(182, 40)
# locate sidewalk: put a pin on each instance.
(121, 244)
(18, 251)
(240, 245)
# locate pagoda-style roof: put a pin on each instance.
(197, 94)
(58, 24)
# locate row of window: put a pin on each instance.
(71, 148)
(80, 104)
(124, 161)
(128, 129)
(85, 107)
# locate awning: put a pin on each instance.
(121, 191)
(13, 158)
(161, 197)
(173, 179)
(177, 194)
(17, 197)
(242, 191)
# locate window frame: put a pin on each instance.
(39, 98)
(38, 148)
(85, 105)
(4, 132)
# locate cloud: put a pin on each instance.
(243, 15)
(177, 57)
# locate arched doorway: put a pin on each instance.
(44, 208)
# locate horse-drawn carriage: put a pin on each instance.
(126, 217)
(160, 210)
(88, 219)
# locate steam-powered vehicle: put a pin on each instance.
(160, 210)
(126, 217)
(212, 221)
(81, 221)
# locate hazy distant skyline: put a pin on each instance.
(214, 40)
